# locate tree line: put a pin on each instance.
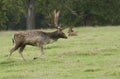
(13, 13)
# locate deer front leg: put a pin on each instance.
(42, 55)
(41, 51)
(40, 45)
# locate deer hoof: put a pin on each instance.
(35, 58)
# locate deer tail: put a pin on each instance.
(13, 39)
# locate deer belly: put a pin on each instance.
(48, 41)
(32, 41)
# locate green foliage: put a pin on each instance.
(73, 13)
(11, 12)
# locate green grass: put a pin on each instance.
(93, 54)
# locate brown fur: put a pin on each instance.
(71, 32)
(35, 38)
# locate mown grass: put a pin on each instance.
(93, 54)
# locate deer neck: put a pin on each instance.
(53, 35)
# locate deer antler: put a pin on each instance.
(54, 18)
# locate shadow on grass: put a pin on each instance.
(51, 47)
(92, 70)
(7, 62)
(20, 62)
(14, 62)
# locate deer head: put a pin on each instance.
(54, 23)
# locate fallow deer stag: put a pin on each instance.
(37, 38)
(71, 32)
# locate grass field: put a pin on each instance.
(93, 54)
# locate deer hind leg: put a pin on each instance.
(13, 49)
(21, 50)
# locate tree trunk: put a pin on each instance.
(30, 14)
